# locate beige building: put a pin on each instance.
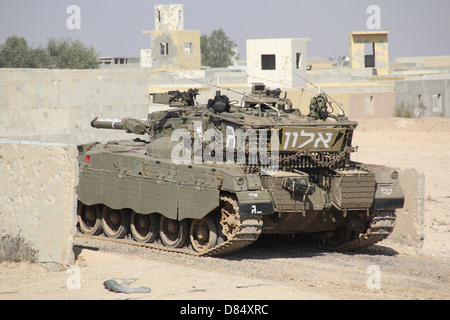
(369, 49)
(277, 62)
(172, 47)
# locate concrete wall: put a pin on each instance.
(342, 75)
(422, 63)
(425, 97)
(371, 104)
(38, 200)
(58, 105)
(285, 51)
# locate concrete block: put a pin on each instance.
(58, 105)
(38, 200)
(409, 227)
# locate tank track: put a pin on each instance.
(381, 226)
(250, 228)
(244, 234)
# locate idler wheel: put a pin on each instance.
(203, 234)
(229, 219)
(144, 227)
(173, 233)
(115, 222)
(89, 219)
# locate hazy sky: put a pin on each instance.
(113, 27)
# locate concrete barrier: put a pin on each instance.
(409, 226)
(38, 202)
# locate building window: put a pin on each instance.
(268, 62)
(164, 49)
(369, 55)
(188, 48)
(298, 63)
(436, 103)
(159, 15)
(120, 61)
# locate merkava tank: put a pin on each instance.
(210, 179)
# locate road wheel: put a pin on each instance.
(144, 227)
(173, 233)
(203, 234)
(90, 219)
(115, 222)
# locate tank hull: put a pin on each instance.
(121, 176)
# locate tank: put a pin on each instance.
(210, 179)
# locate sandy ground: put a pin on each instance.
(279, 269)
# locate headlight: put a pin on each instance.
(240, 181)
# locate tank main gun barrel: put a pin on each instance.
(107, 124)
(129, 125)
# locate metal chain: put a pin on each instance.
(340, 156)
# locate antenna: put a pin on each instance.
(320, 91)
(304, 89)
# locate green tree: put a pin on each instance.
(14, 53)
(38, 58)
(69, 54)
(217, 49)
(59, 54)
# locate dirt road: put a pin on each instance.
(279, 268)
(271, 269)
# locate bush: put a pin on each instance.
(402, 112)
(409, 111)
(15, 249)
